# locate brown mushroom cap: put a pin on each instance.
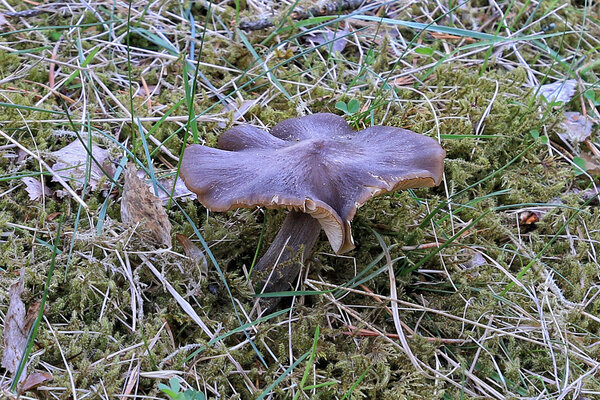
(316, 164)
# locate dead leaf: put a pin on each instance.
(3, 21)
(35, 189)
(32, 314)
(52, 216)
(592, 165)
(140, 206)
(181, 191)
(331, 41)
(193, 252)
(14, 337)
(404, 80)
(242, 109)
(561, 91)
(72, 160)
(446, 36)
(475, 260)
(141, 91)
(592, 195)
(529, 217)
(576, 127)
(22, 155)
(34, 380)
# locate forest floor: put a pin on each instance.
(483, 287)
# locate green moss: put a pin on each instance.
(91, 303)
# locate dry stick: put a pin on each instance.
(52, 65)
(332, 8)
(54, 174)
(52, 90)
(355, 331)
(148, 97)
(280, 265)
(27, 13)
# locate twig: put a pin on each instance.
(26, 13)
(355, 331)
(52, 64)
(298, 14)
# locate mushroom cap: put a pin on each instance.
(315, 164)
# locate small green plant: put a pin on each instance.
(595, 99)
(174, 391)
(591, 95)
(349, 108)
(580, 166)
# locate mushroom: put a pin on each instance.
(316, 167)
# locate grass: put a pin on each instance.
(448, 295)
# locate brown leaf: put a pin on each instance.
(35, 189)
(446, 36)
(3, 21)
(140, 206)
(592, 164)
(32, 314)
(72, 161)
(34, 380)
(141, 91)
(404, 80)
(15, 334)
(529, 217)
(52, 216)
(193, 252)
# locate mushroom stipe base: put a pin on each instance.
(279, 267)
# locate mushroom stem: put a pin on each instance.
(280, 265)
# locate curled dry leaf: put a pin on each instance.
(14, 337)
(332, 41)
(529, 217)
(240, 110)
(140, 206)
(71, 163)
(181, 191)
(576, 127)
(592, 164)
(193, 252)
(592, 195)
(561, 91)
(34, 380)
(3, 22)
(32, 314)
(152, 89)
(35, 189)
(474, 260)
